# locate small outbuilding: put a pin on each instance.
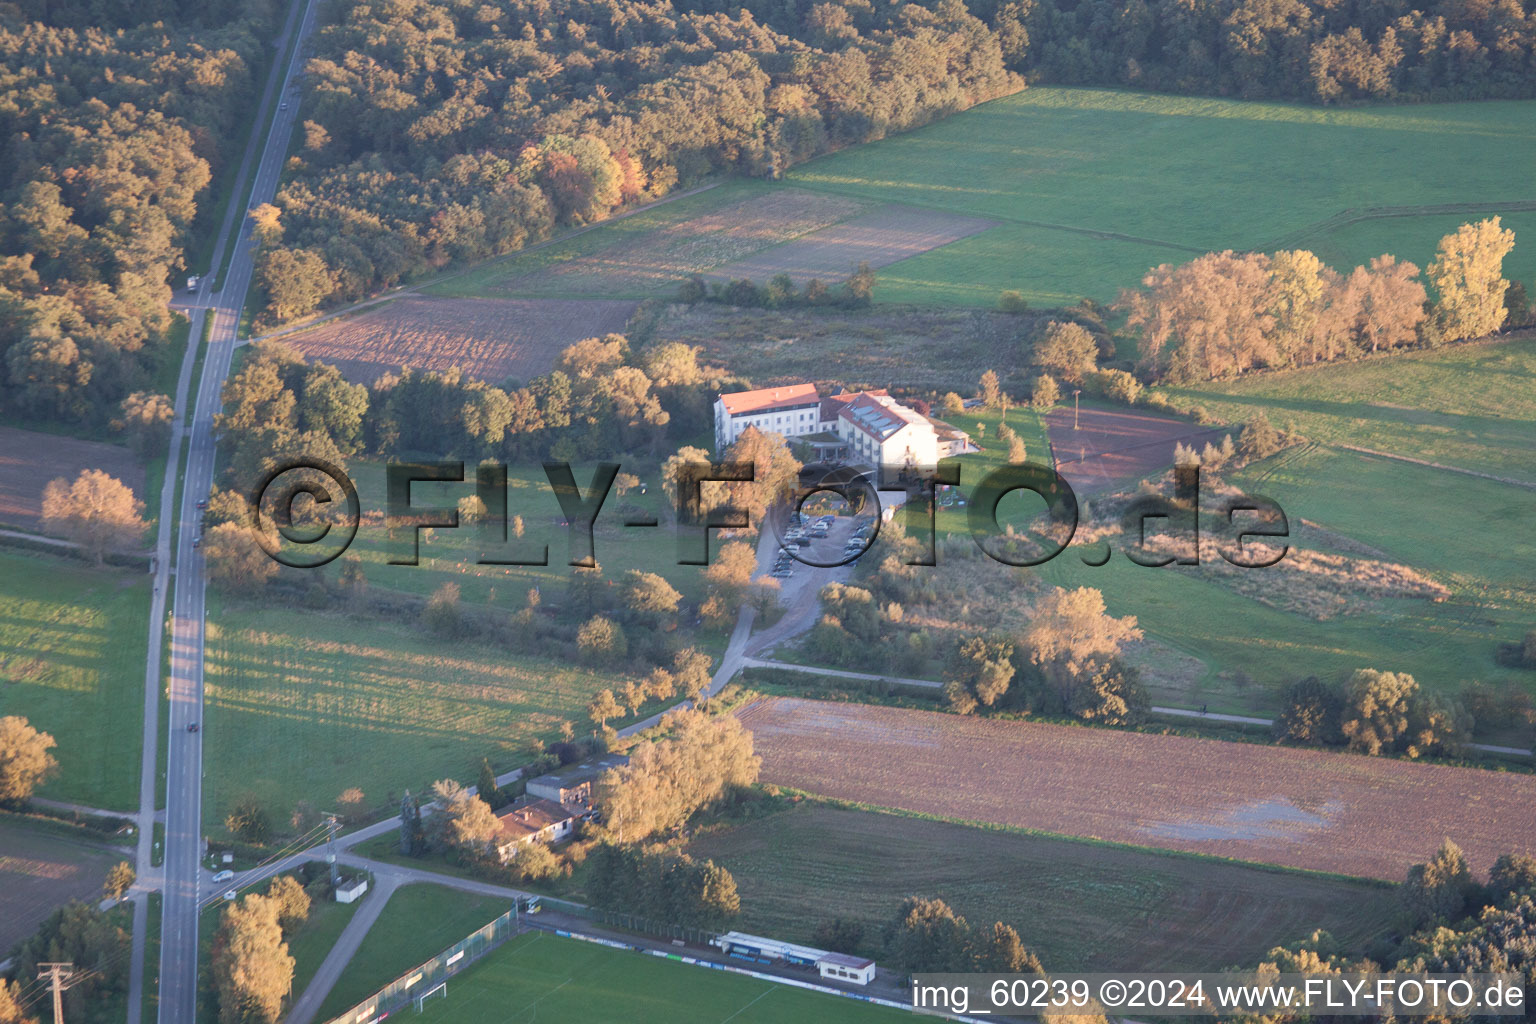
(845, 967)
(351, 890)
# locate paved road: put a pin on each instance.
(184, 783)
(307, 1005)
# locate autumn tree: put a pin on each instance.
(1467, 275)
(925, 935)
(601, 642)
(292, 902)
(603, 707)
(120, 879)
(704, 760)
(1044, 392)
(775, 472)
(25, 761)
(296, 281)
(691, 670)
(11, 1009)
(980, 672)
(96, 511)
(989, 390)
(1001, 951)
(1067, 351)
(649, 597)
(235, 562)
(252, 968)
(1075, 646)
(461, 820)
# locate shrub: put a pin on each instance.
(1044, 393)
(1011, 301)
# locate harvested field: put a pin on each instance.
(1310, 809)
(657, 261)
(491, 339)
(880, 238)
(1087, 907)
(40, 872)
(1110, 448)
(29, 459)
(945, 349)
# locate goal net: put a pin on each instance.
(440, 989)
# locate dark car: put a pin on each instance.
(191, 727)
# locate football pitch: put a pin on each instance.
(541, 977)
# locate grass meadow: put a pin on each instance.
(302, 706)
(538, 976)
(72, 663)
(1081, 906)
(1097, 185)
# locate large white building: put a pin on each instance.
(866, 427)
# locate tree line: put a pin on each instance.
(439, 131)
(111, 132)
(1311, 50)
(1456, 923)
(1226, 313)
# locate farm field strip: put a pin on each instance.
(884, 236)
(29, 459)
(1307, 809)
(1080, 906)
(490, 339)
(40, 872)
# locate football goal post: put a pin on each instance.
(440, 989)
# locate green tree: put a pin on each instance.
(650, 597)
(236, 563)
(1044, 393)
(411, 832)
(1468, 280)
(296, 281)
(925, 935)
(1437, 890)
(1310, 712)
(441, 614)
(248, 820)
(485, 785)
(1375, 716)
(144, 417)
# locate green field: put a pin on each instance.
(1091, 187)
(72, 662)
(1468, 406)
(302, 706)
(419, 922)
(544, 977)
(1081, 906)
(1161, 178)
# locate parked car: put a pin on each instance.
(224, 876)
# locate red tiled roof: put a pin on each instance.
(522, 820)
(767, 399)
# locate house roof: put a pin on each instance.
(845, 960)
(574, 775)
(841, 396)
(880, 416)
(790, 396)
(530, 817)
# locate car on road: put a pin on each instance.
(224, 876)
(230, 895)
(191, 727)
(202, 503)
(283, 105)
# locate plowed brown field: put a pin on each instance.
(29, 459)
(1311, 809)
(491, 339)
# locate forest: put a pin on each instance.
(109, 140)
(447, 131)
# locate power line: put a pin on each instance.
(60, 976)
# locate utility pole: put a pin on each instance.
(1075, 393)
(330, 850)
(60, 977)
